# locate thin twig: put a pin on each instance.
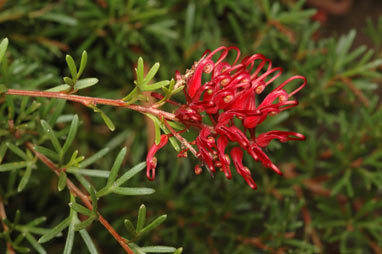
(92, 101)
(182, 140)
(84, 198)
(3, 216)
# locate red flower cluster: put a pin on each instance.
(228, 99)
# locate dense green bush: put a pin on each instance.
(328, 201)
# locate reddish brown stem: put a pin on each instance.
(3, 216)
(84, 198)
(93, 101)
(181, 139)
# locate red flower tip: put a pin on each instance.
(151, 160)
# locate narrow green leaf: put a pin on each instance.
(59, 18)
(140, 71)
(116, 166)
(3, 48)
(98, 155)
(69, 81)
(21, 249)
(127, 191)
(38, 247)
(150, 75)
(135, 248)
(83, 181)
(154, 224)
(88, 241)
(80, 209)
(130, 228)
(85, 83)
(55, 231)
(141, 217)
(158, 249)
(36, 222)
(17, 151)
(130, 173)
(72, 67)
(12, 166)
(62, 181)
(156, 128)
(59, 88)
(51, 135)
(155, 86)
(180, 126)
(131, 97)
(71, 135)
(84, 59)
(25, 179)
(3, 150)
(178, 251)
(47, 152)
(107, 121)
(17, 218)
(85, 223)
(89, 172)
(93, 196)
(70, 236)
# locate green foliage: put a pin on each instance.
(329, 200)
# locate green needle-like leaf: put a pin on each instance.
(12, 166)
(140, 71)
(132, 191)
(130, 173)
(80, 209)
(25, 179)
(158, 249)
(89, 172)
(130, 228)
(154, 224)
(141, 217)
(59, 88)
(36, 222)
(17, 151)
(71, 135)
(47, 152)
(84, 224)
(3, 48)
(62, 181)
(178, 251)
(155, 86)
(150, 75)
(70, 237)
(98, 155)
(84, 59)
(72, 67)
(93, 196)
(38, 247)
(70, 82)
(85, 83)
(88, 241)
(51, 135)
(116, 166)
(107, 121)
(55, 231)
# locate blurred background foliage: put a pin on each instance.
(330, 199)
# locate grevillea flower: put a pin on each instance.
(230, 99)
